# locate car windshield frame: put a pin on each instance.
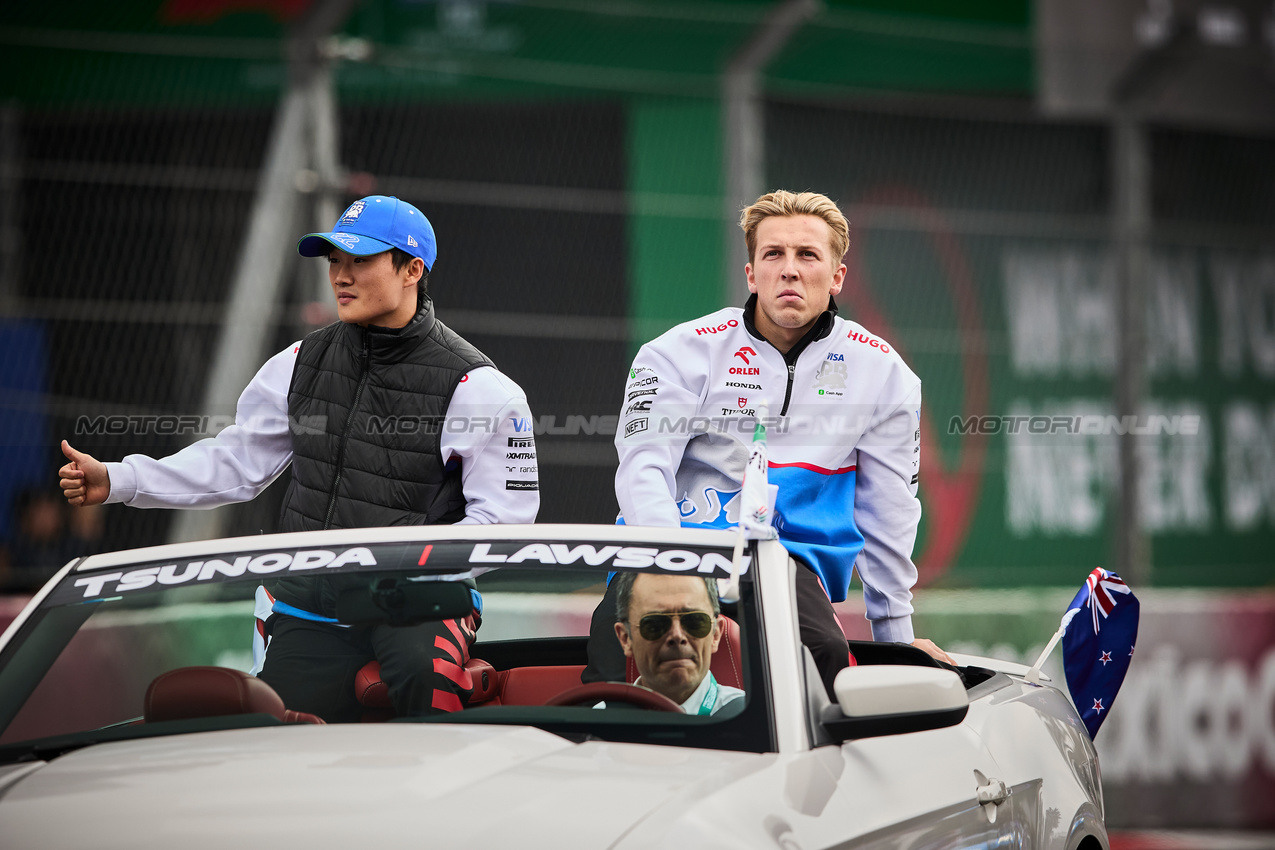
(121, 580)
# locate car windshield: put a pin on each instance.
(78, 669)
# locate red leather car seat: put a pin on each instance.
(371, 692)
(535, 685)
(191, 692)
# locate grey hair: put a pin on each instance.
(623, 584)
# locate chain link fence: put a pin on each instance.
(575, 161)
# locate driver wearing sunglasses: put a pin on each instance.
(670, 626)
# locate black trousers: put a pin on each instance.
(816, 622)
(312, 665)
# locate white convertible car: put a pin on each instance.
(128, 721)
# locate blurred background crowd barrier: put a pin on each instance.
(1061, 215)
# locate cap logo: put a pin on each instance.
(411, 241)
(349, 240)
(352, 214)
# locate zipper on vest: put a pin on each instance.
(345, 435)
(792, 373)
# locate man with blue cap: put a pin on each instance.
(363, 409)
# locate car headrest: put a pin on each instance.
(486, 680)
(371, 692)
(726, 664)
(190, 692)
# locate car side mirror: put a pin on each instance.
(893, 700)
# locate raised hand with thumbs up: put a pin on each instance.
(84, 480)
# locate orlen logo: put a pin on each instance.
(736, 370)
(744, 353)
(872, 341)
(731, 324)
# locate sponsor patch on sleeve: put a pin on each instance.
(522, 485)
(637, 426)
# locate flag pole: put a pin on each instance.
(1033, 675)
(730, 593)
(753, 506)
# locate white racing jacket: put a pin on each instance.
(843, 437)
(488, 431)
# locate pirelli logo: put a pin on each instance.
(521, 443)
(521, 485)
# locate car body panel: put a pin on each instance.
(343, 786)
(469, 783)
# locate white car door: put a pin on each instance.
(919, 791)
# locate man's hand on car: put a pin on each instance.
(932, 649)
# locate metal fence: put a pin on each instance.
(581, 166)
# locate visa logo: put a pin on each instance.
(835, 356)
(521, 423)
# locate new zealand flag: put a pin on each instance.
(1100, 630)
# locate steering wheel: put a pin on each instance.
(615, 692)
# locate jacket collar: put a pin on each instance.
(821, 328)
(387, 339)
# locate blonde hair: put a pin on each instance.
(782, 203)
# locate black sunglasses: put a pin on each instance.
(697, 624)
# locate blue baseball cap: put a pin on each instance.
(374, 224)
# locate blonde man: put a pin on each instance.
(844, 440)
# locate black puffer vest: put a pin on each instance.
(366, 407)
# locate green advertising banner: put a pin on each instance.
(979, 250)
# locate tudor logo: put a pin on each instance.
(677, 560)
(744, 353)
(743, 402)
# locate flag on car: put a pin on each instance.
(756, 506)
(1099, 629)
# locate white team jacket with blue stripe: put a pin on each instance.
(843, 438)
